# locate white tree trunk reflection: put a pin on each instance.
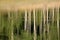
(58, 22)
(34, 25)
(25, 24)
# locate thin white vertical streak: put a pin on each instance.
(47, 25)
(44, 24)
(58, 22)
(25, 25)
(41, 23)
(29, 20)
(34, 25)
(53, 16)
(11, 29)
(41, 26)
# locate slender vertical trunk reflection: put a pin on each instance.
(58, 22)
(44, 28)
(25, 25)
(47, 26)
(53, 17)
(34, 25)
(11, 26)
(41, 25)
(29, 20)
